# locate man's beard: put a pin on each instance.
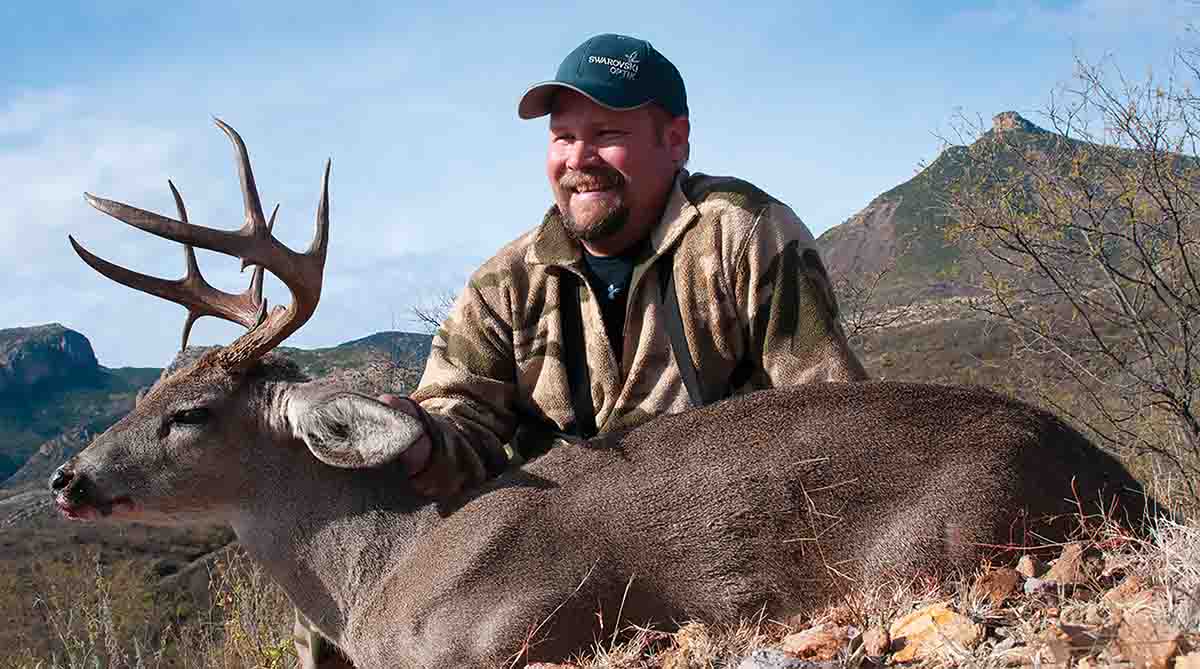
(609, 222)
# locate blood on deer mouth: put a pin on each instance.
(120, 506)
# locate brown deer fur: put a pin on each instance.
(772, 503)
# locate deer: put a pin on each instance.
(773, 503)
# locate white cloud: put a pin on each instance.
(32, 110)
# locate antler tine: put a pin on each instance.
(305, 287)
(256, 225)
(270, 227)
(320, 242)
(194, 280)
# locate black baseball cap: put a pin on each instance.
(614, 71)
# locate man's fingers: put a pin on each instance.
(400, 403)
(394, 401)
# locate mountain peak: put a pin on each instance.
(1011, 120)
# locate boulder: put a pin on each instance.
(822, 642)
(1147, 642)
(927, 634)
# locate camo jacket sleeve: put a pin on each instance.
(787, 305)
(467, 393)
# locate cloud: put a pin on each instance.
(32, 110)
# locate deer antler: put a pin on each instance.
(253, 243)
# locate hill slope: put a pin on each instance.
(905, 226)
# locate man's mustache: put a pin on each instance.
(592, 179)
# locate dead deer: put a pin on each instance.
(771, 503)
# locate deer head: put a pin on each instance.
(197, 441)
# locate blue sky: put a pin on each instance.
(823, 105)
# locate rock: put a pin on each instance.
(1131, 592)
(876, 642)
(1037, 586)
(1030, 567)
(1052, 650)
(38, 467)
(823, 642)
(1076, 638)
(997, 585)
(1146, 642)
(1075, 566)
(926, 633)
(1189, 661)
(43, 354)
(767, 658)
(547, 665)
(1010, 120)
(1017, 656)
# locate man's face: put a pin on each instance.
(610, 170)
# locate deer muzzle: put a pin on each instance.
(77, 499)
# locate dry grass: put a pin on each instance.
(1084, 621)
(97, 615)
(248, 623)
(90, 615)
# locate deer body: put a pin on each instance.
(769, 504)
(772, 503)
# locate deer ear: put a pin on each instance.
(351, 430)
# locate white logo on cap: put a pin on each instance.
(627, 68)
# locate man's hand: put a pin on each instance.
(415, 457)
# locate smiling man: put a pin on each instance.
(645, 290)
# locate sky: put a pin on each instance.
(823, 105)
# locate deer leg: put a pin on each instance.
(314, 651)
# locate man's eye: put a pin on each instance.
(191, 417)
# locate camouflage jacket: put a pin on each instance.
(750, 285)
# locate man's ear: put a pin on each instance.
(677, 135)
(349, 430)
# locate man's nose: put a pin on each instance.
(582, 154)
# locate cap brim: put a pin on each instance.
(537, 99)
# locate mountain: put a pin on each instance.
(904, 227)
(51, 385)
(55, 396)
(35, 358)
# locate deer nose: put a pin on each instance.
(61, 478)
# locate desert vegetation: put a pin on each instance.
(1086, 241)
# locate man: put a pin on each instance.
(645, 290)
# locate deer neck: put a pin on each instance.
(328, 536)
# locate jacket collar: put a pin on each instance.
(553, 246)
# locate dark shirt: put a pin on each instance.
(609, 277)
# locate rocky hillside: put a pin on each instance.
(905, 226)
(51, 385)
(45, 355)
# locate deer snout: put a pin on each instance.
(70, 488)
(76, 497)
(63, 477)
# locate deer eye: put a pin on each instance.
(191, 417)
